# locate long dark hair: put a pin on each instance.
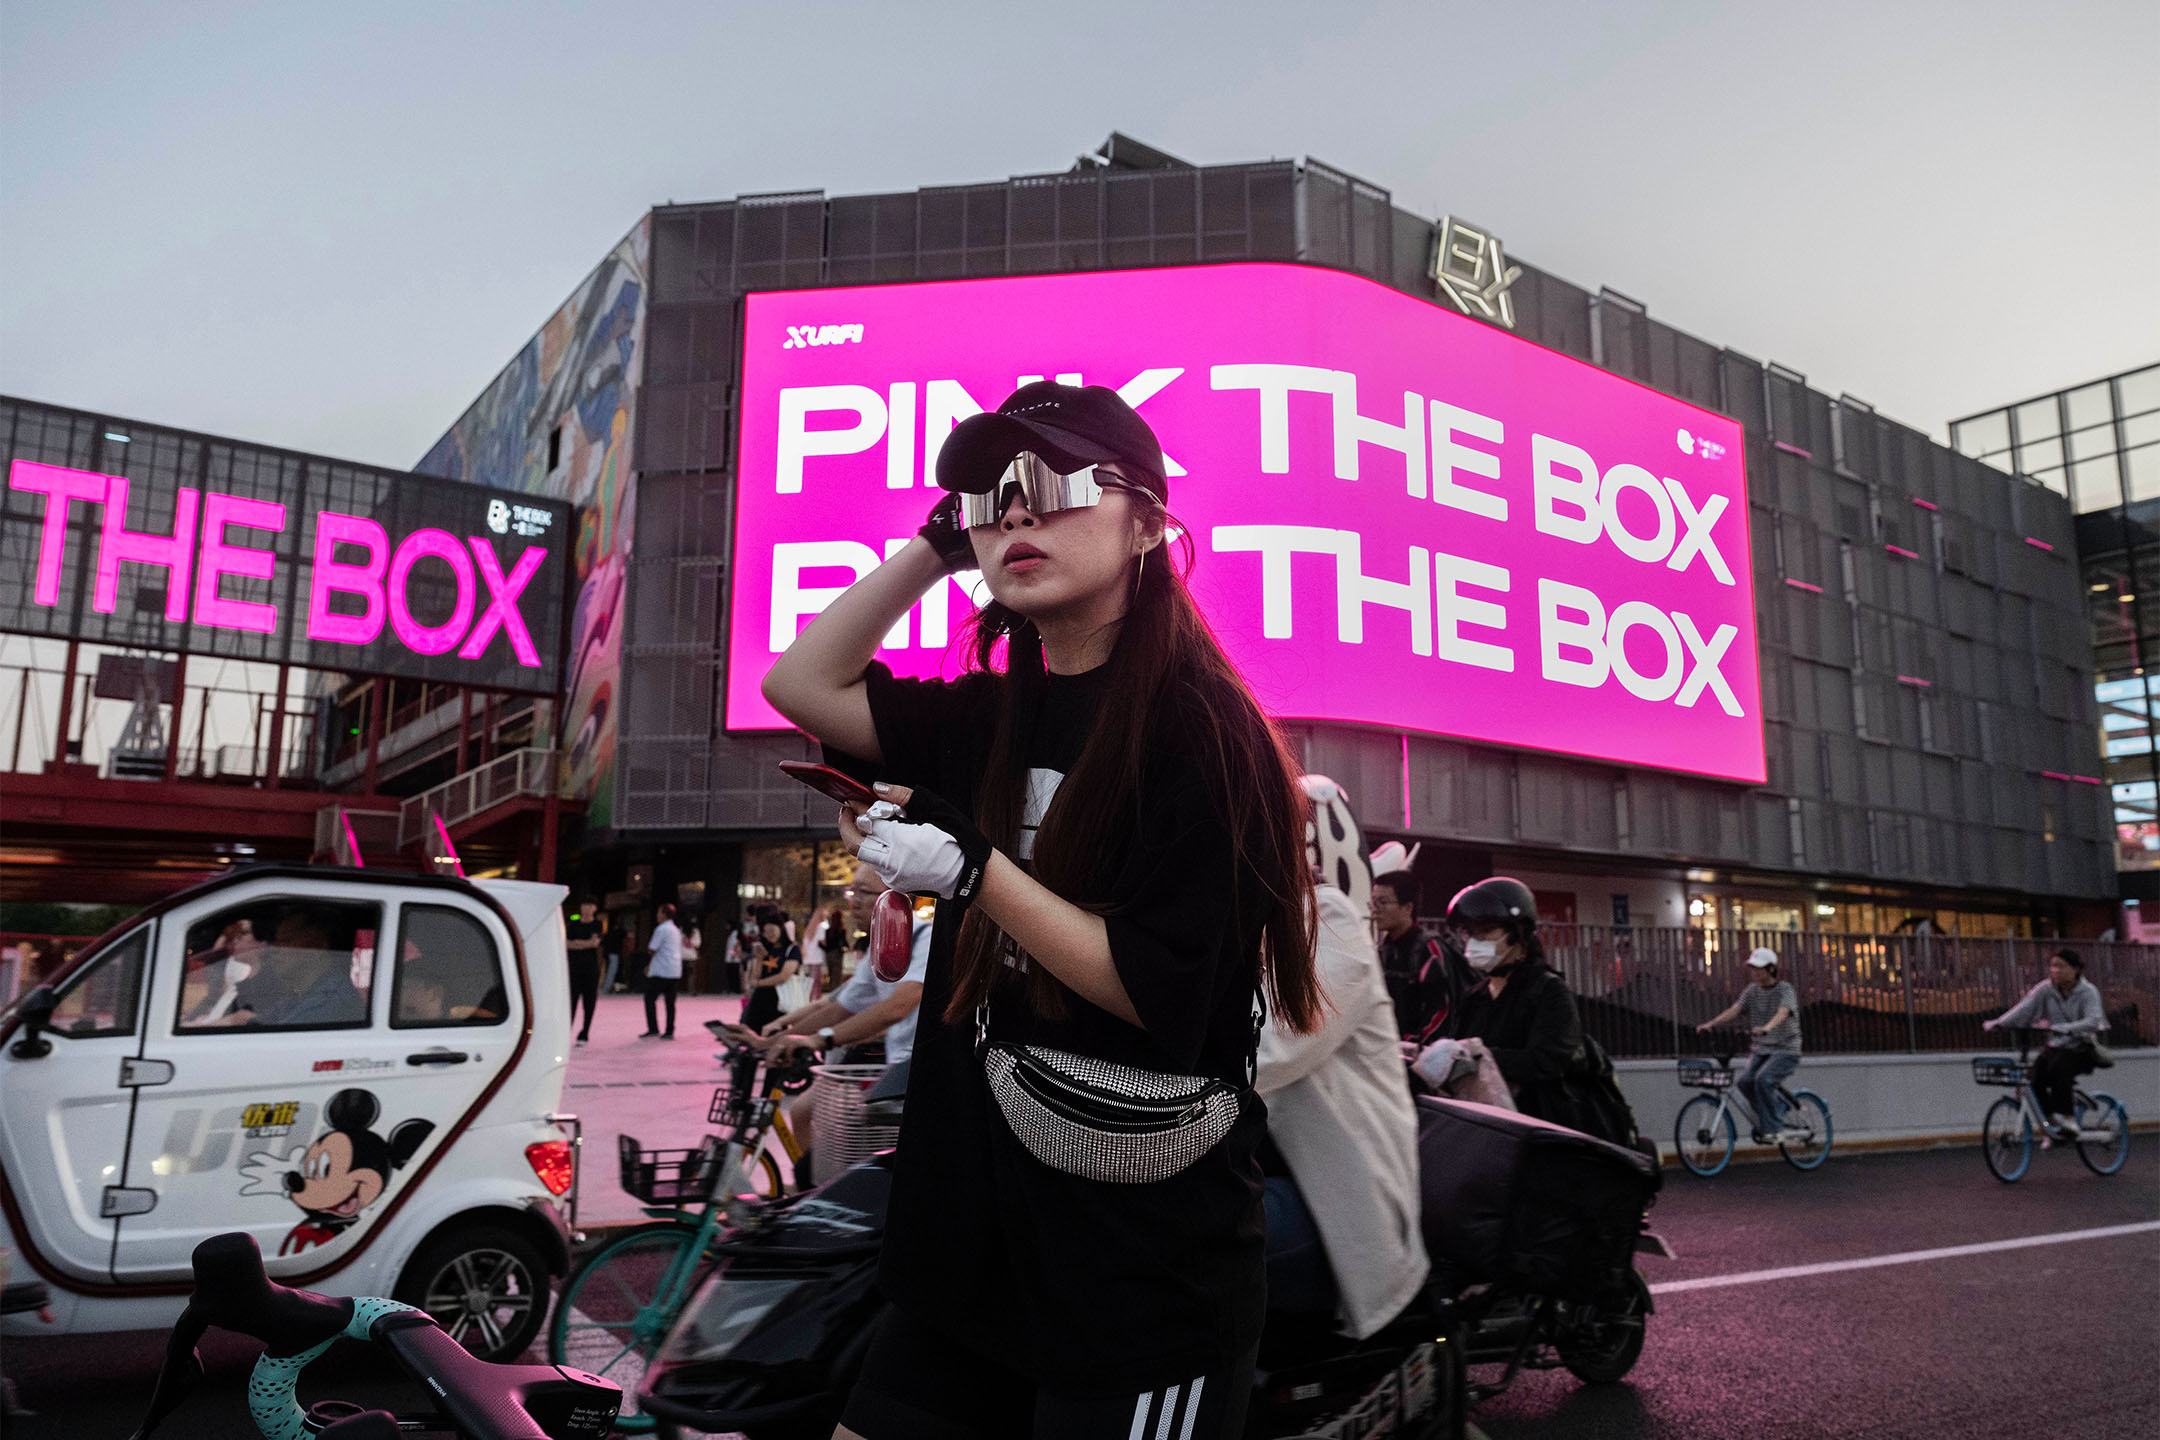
(1166, 670)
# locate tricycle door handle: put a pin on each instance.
(437, 1057)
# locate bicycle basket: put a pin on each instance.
(1997, 1070)
(1705, 1075)
(844, 1137)
(669, 1177)
(737, 1113)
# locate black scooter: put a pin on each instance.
(1532, 1231)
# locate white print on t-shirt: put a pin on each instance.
(1042, 787)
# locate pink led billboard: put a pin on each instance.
(1401, 517)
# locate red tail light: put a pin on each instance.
(550, 1160)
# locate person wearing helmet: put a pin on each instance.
(1524, 1011)
(1341, 1159)
(1773, 1015)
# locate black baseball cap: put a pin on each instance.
(1071, 426)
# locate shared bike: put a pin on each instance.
(474, 1400)
(622, 1299)
(1706, 1134)
(2101, 1126)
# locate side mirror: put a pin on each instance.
(36, 1015)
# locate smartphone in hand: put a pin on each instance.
(828, 781)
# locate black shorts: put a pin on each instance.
(916, 1385)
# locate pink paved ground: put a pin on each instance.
(656, 1090)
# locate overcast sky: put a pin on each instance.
(328, 226)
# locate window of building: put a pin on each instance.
(448, 971)
(280, 963)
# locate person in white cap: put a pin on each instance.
(1773, 1018)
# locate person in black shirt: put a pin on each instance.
(1524, 1012)
(583, 944)
(774, 960)
(1425, 979)
(1115, 833)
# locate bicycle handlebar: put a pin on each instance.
(483, 1401)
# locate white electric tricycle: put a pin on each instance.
(359, 1068)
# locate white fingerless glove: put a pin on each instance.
(914, 859)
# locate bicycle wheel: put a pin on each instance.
(1808, 1118)
(607, 1320)
(1704, 1136)
(2006, 1140)
(765, 1182)
(2104, 1132)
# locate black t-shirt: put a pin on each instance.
(1080, 1284)
(576, 929)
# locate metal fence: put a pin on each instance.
(531, 771)
(1643, 990)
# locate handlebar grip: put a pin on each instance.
(470, 1393)
(233, 1293)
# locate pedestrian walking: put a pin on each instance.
(774, 962)
(1051, 1275)
(2067, 1006)
(582, 942)
(693, 962)
(663, 972)
(611, 945)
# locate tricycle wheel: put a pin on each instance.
(1604, 1346)
(484, 1284)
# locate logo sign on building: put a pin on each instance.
(1401, 517)
(1469, 268)
(181, 543)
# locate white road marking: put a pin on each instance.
(1905, 1257)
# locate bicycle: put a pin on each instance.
(1704, 1132)
(620, 1302)
(2101, 1125)
(475, 1400)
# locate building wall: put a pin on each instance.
(2098, 445)
(1927, 693)
(559, 421)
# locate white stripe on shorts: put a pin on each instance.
(1139, 1417)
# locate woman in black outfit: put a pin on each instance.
(1115, 832)
(773, 962)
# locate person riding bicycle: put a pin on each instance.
(2067, 1006)
(1341, 1160)
(1772, 1007)
(865, 1008)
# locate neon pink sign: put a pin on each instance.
(1401, 517)
(356, 578)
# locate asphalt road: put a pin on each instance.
(2061, 1340)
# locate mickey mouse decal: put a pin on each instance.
(341, 1174)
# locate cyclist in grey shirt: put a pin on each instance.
(1772, 1008)
(2067, 1006)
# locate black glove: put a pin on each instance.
(947, 533)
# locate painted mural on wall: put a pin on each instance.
(578, 373)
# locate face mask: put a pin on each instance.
(1483, 955)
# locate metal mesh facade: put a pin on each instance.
(1926, 687)
(2098, 446)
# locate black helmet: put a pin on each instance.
(1498, 901)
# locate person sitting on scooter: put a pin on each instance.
(1773, 1014)
(1524, 1012)
(1341, 1158)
